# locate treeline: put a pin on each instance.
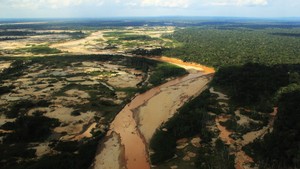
(10, 38)
(219, 47)
(75, 35)
(146, 52)
(255, 84)
(136, 37)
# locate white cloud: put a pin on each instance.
(132, 4)
(54, 4)
(23, 4)
(237, 2)
(34, 4)
(166, 3)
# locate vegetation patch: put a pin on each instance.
(41, 49)
(136, 37)
(29, 129)
(164, 71)
(20, 108)
(15, 70)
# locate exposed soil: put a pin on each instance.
(111, 150)
(242, 160)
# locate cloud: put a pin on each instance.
(23, 4)
(237, 2)
(166, 3)
(34, 4)
(55, 4)
(68, 3)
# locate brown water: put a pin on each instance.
(128, 125)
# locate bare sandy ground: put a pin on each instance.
(31, 40)
(4, 65)
(124, 80)
(243, 120)
(72, 125)
(110, 155)
(187, 65)
(81, 46)
(224, 133)
(251, 136)
(42, 149)
(5, 131)
(87, 133)
(78, 93)
(221, 96)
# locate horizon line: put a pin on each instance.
(161, 16)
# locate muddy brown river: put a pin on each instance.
(126, 144)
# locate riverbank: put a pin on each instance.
(137, 122)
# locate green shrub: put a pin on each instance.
(67, 146)
(42, 49)
(164, 146)
(75, 113)
(5, 89)
(164, 71)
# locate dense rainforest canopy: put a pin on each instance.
(237, 46)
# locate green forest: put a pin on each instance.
(258, 69)
(236, 46)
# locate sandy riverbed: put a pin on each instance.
(109, 158)
(162, 106)
(146, 112)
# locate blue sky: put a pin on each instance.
(117, 8)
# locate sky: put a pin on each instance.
(141, 8)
